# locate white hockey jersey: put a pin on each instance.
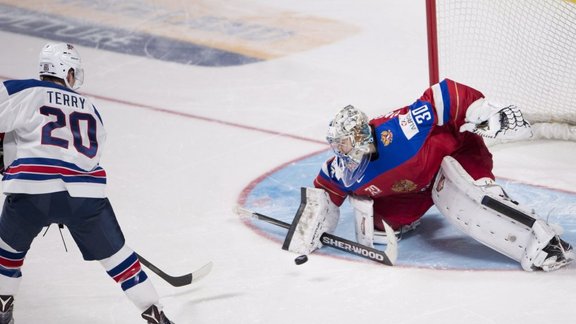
(53, 140)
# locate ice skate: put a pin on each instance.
(6, 307)
(154, 316)
(560, 254)
(380, 236)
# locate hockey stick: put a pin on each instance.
(328, 239)
(178, 281)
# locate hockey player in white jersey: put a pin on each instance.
(53, 141)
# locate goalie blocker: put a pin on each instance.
(316, 215)
(482, 210)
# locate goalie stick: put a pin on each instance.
(384, 257)
(178, 281)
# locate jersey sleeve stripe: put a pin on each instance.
(441, 97)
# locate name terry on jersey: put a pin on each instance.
(65, 99)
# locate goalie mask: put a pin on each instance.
(350, 137)
(56, 59)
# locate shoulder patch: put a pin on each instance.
(386, 137)
(408, 126)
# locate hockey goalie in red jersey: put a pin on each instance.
(395, 167)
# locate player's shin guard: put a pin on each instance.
(483, 211)
(124, 267)
(11, 262)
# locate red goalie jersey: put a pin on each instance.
(410, 145)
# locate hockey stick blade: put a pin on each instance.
(392, 245)
(330, 240)
(178, 281)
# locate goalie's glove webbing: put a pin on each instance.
(506, 123)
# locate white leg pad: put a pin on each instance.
(364, 219)
(364, 225)
(317, 215)
(490, 218)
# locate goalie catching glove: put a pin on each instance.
(495, 121)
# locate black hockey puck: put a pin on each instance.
(301, 259)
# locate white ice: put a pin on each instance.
(176, 170)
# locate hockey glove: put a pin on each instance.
(317, 215)
(494, 121)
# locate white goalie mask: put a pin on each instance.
(350, 137)
(56, 59)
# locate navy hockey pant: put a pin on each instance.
(91, 222)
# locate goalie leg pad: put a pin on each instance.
(316, 215)
(490, 218)
(364, 219)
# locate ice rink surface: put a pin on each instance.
(187, 142)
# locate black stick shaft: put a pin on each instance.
(174, 281)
